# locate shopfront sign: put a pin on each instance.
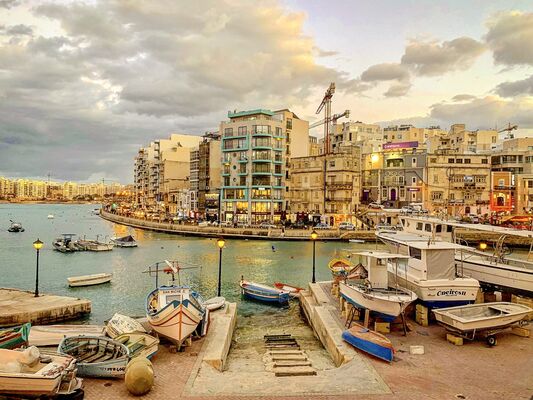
(400, 145)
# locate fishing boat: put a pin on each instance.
(293, 290)
(214, 303)
(370, 342)
(15, 227)
(89, 280)
(12, 338)
(97, 356)
(139, 344)
(125, 241)
(264, 293)
(484, 316)
(52, 335)
(65, 243)
(340, 266)
(96, 245)
(120, 324)
(50, 376)
(431, 271)
(377, 293)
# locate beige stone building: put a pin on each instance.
(369, 137)
(326, 185)
(403, 134)
(460, 140)
(209, 176)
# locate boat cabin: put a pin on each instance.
(431, 260)
(378, 263)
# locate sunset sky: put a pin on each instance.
(84, 84)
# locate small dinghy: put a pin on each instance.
(27, 374)
(340, 267)
(15, 227)
(489, 318)
(214, 303)
(293, 290)
(370, 342)
(12, 338)
(139, 344)
(125, 241)
(97, 357)
(264, 293)
(120, 324)
(50, 216)
(52, 335)
(89, 280)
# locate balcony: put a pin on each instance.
(339, 186)
(504, 187)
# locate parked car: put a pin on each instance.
(204, 223)
(322, 225)
(347, 226)
(375, 205)
(267, 225)
(299, 225)
(226, 224)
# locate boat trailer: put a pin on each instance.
(489, 334)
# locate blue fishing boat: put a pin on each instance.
(264, 293)
(370, 342)
(12, 338)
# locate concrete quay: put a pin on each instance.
(219, 338)
(239, 233)
(19, 306)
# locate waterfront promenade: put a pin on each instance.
(242, 233)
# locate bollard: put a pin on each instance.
(139, 376)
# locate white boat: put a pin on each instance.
(52, 335)
(125, 241)
(89, 280)
(121, 324)
(482, 316)
(50, 376)
(175, 312)
(496, 270)
(356, 241)
(50, 216)
(431, 271)
(214, 303)
(378, 292)
(65, 243)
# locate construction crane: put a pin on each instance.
(326, 106)
(509, 130)
(334, 119)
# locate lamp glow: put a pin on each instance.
(38, 245)
(483, 246)
(314, 235)
(374, 157)
(220, 243)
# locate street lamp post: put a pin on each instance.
(314, 236)
(37, 245)
(220, 244)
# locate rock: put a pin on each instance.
(139, 376)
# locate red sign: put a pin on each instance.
(400, 145)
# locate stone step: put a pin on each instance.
(284, 352)
(275, 343)
(283, 346)
(288, 363)
(285, 335)
(294, 371)
(299, 357)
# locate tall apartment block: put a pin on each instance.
(256, 146)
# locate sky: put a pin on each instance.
(83, 85)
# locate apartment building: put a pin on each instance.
(458, 184)
(326, 186)
(462, 141)
(369, 137)
(209, 176)
(254, 155)
(401, 135)
(194, 180)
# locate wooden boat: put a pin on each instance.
(12, 338)
(139, 344)
(89, 280)
(52, 335)
(340, 267)
(65, 243)
(293, 290)
(356, 241)
(376, 293)
(97, 356)
(96, 245)
(370, 342)
(175, 312)
(484, 316)
(15, 227)
(264, 293)
(214, 303)
(51, 375)
(125, 241)
(120, 324)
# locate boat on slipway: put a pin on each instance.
(97, 356)
(370, 342)
(52, 335)
(15, 337)
(293, 290)
(264, 293)
(431, 271)
(378, 292)
(139, 344)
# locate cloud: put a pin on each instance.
(433, 58)
(510, 37)
(7, 4)
(17, 30)
(398, 90)
(124, 73)
(516, 88)
(462, 97)
(385, 72)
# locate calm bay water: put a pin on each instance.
(291, 262)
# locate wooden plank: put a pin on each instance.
(277, 336)
(281, 352)
(288, 363)
(294, 371)
(287, 357)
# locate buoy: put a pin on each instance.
(139, 376)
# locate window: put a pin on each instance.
(242, 130)
(277, 169)
(415, 253)
(435, 178)
(530, 184)
(467, 160)
(289, 123)
(228, 132)
(484, 161)
(413, 161)
(436, 195)
(438, 228)
(261, 142)
(261, 129)
(459, 161)
(332, 163)
(428, 228)
(226, 181)
(451, 160)
(413, 180)
(242, 181)
(419, 226)
(242, 168)
(278, 131)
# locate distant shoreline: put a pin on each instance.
(49, 202)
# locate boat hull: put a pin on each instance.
(264, 294)
(370, 342)
(176, 322)
(89, 280)
(16, 337)
(388, 308)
